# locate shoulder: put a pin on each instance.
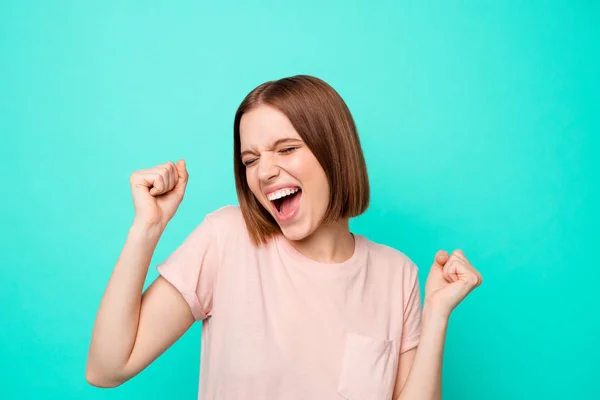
(228, 225)
(391, 266)
(228, 214)
(395, 260)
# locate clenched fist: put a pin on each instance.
(450, 280)
(157, 192)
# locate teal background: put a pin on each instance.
(479, 122)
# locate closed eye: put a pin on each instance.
(283, 151)
(287, 150)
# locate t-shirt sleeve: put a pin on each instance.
(192, 269)
(411, 329)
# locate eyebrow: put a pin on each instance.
(275, 144)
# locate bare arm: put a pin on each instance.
(131, 330)
(450, 280)
(420, 373)
(404, 365)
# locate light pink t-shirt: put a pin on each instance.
(280, 326)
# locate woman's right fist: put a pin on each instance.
(157, 192)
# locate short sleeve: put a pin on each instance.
(411, 329)
(192, 269)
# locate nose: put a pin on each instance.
(267, 169)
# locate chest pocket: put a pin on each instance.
(369, 368)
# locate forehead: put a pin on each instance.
(262, 126)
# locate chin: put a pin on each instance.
(296, 232)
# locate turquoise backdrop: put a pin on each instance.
(480, 124)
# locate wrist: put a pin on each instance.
(433, 315)
(146, 229)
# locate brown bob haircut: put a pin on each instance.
(323, 121)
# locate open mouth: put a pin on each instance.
(287, 201)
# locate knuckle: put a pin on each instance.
(135, 176)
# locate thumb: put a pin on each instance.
(182, 176)
(441, 258)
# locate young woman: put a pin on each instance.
(294, 305)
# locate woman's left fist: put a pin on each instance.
(450, 280)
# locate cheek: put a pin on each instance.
(295, 165)
(254, 186)
(304, 166)
(308, 171)
(317, 176)
(252, 182)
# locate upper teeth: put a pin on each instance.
(281, 193)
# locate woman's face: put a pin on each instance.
(282, 173)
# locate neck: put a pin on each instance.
(328, 244)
